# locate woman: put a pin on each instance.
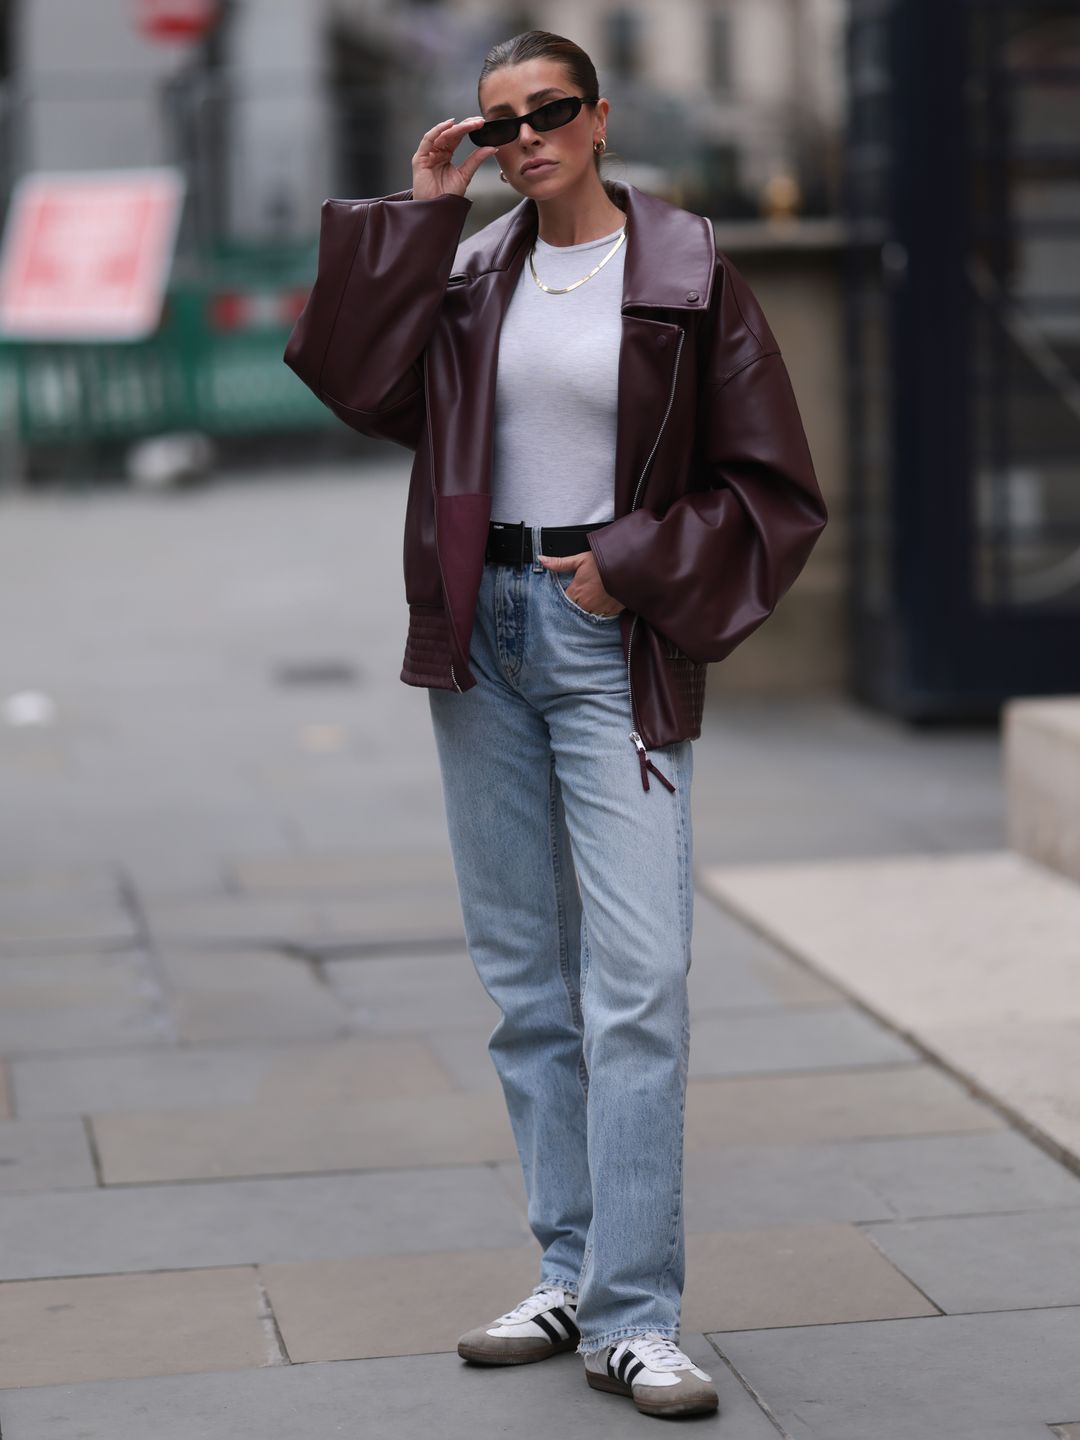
(611, 489)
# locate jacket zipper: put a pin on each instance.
(642, 753)
(435, 510)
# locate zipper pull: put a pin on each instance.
(647, 764)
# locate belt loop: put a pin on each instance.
(537, 547)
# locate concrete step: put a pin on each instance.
(1042, 780)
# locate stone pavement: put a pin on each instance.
(256, 1171)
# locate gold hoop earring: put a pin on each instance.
(600, 146)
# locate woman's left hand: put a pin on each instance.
(588, 592)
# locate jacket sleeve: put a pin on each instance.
(708, 570)
(382, 271)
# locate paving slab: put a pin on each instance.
(56, 1002)
(62, 1029)
(406, 1398)
(1041, 744)
(1001, 1376)
(989, 1262)
(769, 978)
(208, 919)
(406, 992)
(760, 1110)
(412, 1304)
(392, 919)
(43, 923)
(92, 879)
(29, 982)
(375, 871)
(873, 1180)
(367, 1067)
(791, 1275)
(218, 995)
(817, 827)
(740, 1185)
(52, 1153)
(240, 1140)
(733, 965)
(771, 1040)
(234, 1222)
(779, 1041)
(462, 1052)
(124, 1326)
(732, 982)
(6, 1089)
(854, 1104)
(403, 1304)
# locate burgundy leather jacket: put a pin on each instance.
(716, 503)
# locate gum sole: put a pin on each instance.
(485, 1357)
(619, 1387)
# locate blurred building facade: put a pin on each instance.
(895, 178)
(714, 101)
(727, 106)
(962, 290)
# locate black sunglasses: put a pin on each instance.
(548, 117)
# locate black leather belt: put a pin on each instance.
(511, 544)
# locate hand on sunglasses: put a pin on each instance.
(434, 174)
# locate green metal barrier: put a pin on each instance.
(213, 365)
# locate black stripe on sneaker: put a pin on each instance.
(634, 1369)
(572, 1332)
(549, 1330)
(610, 1366)
(627, 1360)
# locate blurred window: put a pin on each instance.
(622, 37)
(1024, 272)
(719, 69)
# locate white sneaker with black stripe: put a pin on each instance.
(655, 1373)
(542, 1325)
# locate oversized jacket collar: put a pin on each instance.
(670, 252)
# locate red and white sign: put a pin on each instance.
(176, 19)
(86, 255)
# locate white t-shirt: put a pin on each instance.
(556, 389)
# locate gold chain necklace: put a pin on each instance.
(553, 290)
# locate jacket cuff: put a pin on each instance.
(607, 544)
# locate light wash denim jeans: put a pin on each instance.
(577, 895)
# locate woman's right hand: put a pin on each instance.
(433, 172)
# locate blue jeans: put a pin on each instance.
(577, 895)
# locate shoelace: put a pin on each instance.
(657, 1351)
(533, 1304)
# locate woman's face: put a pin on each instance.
(519, 89)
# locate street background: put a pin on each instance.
(256, 1172)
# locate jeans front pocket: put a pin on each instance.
(562, 578)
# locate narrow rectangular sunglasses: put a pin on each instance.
(548, 117)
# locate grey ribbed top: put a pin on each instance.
(556, 389)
